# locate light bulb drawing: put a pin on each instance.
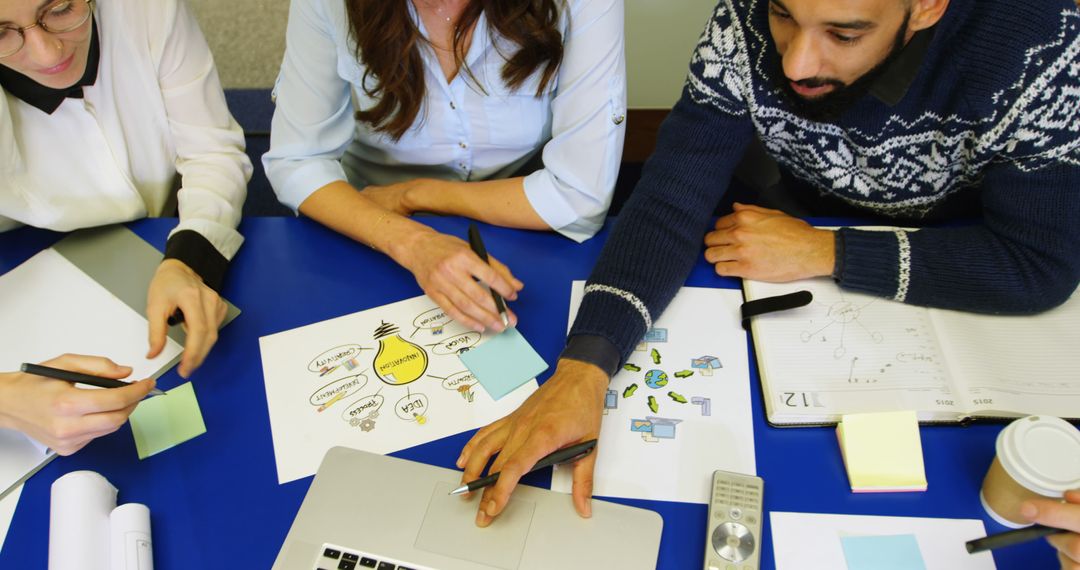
(398, 361)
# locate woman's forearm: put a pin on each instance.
(497, 202)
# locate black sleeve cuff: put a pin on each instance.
(592, 349)
(192, 249)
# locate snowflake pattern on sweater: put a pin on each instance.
(907, 166)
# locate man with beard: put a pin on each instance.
(906, 110)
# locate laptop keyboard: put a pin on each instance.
(337, 558)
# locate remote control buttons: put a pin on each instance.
(733, 541)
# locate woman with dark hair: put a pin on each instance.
(112, 111)
(505, 111)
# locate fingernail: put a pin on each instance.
(1029, 511)
(490, 510)
(588, 509)
(481, 518)
(460, 461)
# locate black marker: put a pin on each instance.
(78, 377)
(1010, 538)
(478, 248)
(176, 318)
(564, 455)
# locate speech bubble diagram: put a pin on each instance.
(335, 356)
(456, 344)
(456, 381)
(411, 407)
(432, 319)
(363, 407)
(342, 388)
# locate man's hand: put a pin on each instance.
(61, 416)
(1059, 515)
(769, 245)
(175, 286)
(565, 411)
(448, 271)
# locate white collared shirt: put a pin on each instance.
(156, 110)
(461, 133)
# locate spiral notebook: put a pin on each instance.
(850, 353)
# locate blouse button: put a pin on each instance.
(463, 145)
(618, 119)
(452, 105)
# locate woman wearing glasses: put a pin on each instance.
(106, 110)
(505, 111)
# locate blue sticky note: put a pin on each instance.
(892, 552)
(504, 362)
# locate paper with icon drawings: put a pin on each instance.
(680, 407)
(379, 380)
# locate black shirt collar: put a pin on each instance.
(893, 84)
(46, 98)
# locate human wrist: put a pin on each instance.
(403, 239)
(6, 400)
(583, 372)
(823, 260)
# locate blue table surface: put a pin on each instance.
(215, 500)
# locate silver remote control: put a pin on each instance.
(733, 541)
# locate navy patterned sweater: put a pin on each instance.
(994, 107)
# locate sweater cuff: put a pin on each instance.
(838, 255)
(874, 262)
(192, 249)
(595, 350)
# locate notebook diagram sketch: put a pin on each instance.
(848, 352)
(682, 399)
(379, 380)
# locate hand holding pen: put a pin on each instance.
(558, 457)
(61, 416)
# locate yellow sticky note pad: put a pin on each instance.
(163, 422)
(882, 452)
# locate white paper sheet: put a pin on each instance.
(701, 422)
(49, 307)
(79, 511)
(805, 541)
(338, 382)
(19, 455)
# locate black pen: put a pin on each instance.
(478, 248)
(78, 377)
(564, 455)
(175, 319)
(1010, 538)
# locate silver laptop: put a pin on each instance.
(371, 511)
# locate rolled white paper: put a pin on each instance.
(132, 548)
(79, 521)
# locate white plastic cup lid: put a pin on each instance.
(1041, 453)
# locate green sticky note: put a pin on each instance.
(504, 362)
(163, 422)
(893, 552)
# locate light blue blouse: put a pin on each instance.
(462, 132)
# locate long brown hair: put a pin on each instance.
(388, 44)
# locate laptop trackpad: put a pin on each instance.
(449, 528)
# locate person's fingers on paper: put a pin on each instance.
(468, 298)
(452, 311)
(104, 423)
(80, 402)
(94, 365)
(581, 491)
(514, 284)
(201, 329)
(157, 315)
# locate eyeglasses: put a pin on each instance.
(58, 18)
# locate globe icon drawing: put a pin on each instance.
(656, 379)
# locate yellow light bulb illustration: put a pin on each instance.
(398, 361)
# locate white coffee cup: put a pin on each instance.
(1037, 457)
